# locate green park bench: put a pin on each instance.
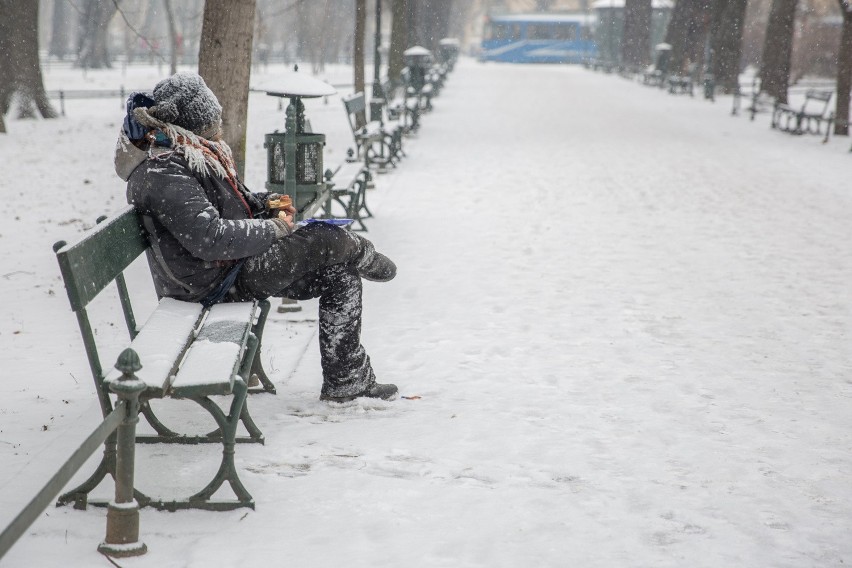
(759, 101)
(652, 76)
(348, 183)
(395, 111)
(187, 352)
(684, 84)
(375, 144)
(813, 117)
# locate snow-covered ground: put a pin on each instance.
(626, 314)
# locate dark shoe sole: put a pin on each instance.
(388, 396)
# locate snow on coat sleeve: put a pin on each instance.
(166, 191)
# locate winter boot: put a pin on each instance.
(374, 265)
(384, 392)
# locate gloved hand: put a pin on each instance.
(133, 129)
(283, 224)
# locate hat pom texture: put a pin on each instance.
(185, 100)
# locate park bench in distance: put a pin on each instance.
(758, 101)
(187, 352)
(374, 144)
(810, 118)
(347, 185)
(391, 114)
(436, 76)
(349, 189)
(398, 114)
(596, 64)
(652, 76)
(684, 84)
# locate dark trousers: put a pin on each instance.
(319, 261)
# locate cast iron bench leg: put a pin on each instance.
(227, 469)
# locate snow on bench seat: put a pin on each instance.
(161, 342)
(347, 174)
(213, 359)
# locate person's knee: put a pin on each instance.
(336, 245)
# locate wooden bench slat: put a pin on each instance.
(161, 343)
(347, 174)
(214, 358)
(93, 262)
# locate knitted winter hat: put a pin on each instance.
(185, 100)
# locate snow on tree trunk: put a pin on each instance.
(844, 71)
(636, 38)
(778, 49)
(224, 61)
(22, 84)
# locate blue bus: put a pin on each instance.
(539, 38)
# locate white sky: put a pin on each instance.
(627, 315)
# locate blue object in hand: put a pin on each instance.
(338, 222)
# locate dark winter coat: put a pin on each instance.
(201, 225)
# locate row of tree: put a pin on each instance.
(706, 33)
(709, 33)
(172, 32)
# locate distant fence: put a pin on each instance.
(67, 94)
(121, 94)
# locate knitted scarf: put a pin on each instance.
(202, 155)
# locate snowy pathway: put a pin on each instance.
(627, 316)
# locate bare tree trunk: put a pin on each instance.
(22, 73)
(358, 45)
(844, 71)
(399, 38)
(6, 36)
(224, 61)
(314, 37)
(778, 49)
(326, 40)
(676, 34)
(687, 33)
(59, 30)
(173, 39)
(636, 38)
(443, 16)
(303, 35)
(94, 20)
(431, 22)
(726, 44)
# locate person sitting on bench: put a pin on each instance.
(213, 240)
